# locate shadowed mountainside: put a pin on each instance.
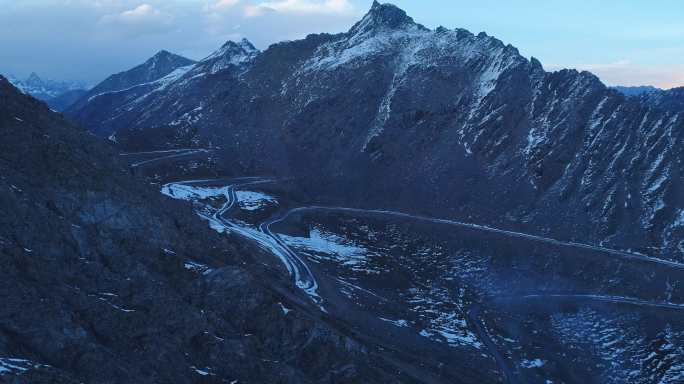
(103, 280)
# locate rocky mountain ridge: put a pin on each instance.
(443, 121)
(670, 100)
(162, 64)
(637, 90)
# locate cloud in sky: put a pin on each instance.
(252, 9)
(140, 20)
(308, 6)
(270, 21)
(221, 5)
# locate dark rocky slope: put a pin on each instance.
(104, 281)
(671, 100)
(443, 122)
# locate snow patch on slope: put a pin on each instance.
(328, 246)
(15, 366)
(253, 201)
(193, 193)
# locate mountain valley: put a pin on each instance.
(391, 204)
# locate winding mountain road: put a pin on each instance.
(263, 236)
(473, 316)
(600, 298)
(302, 273)
(613, 252)
(167, 155)
(304, 279)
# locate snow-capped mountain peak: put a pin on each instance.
(159, 66)
(33, 79)
(247, 45)
(163, 53)
(230, 54)
(384, 17)
(234, 50)
(163, 60)
(44, 89)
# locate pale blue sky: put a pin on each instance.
(629, 42)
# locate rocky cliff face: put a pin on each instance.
(104, 281)
(439, 121)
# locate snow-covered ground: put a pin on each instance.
(321, 245)
(197, 267)
(254, 201)
(190, 192)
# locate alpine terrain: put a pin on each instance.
(391, 204)
(394, 115)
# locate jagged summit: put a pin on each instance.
(232, 48)
(44, 89)
(230, 54)
(163, 54)
(384, 17)
(168, 58)
(33, 77)
(245, 44)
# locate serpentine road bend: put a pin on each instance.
(263, 236)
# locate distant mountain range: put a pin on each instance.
(58, 94)
(636, 91)
(670, 100)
